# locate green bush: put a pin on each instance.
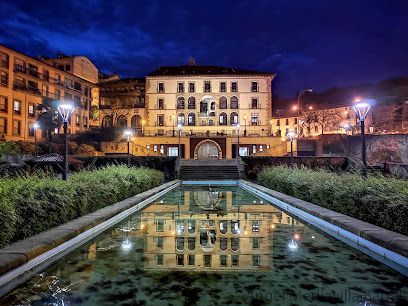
(32, 204)
(376, 200)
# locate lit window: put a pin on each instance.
(161, 149)
(255, 226)
(31, 110)
(254, 119)
(254, 149)
(155, 148)
(17, 106)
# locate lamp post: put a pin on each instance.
(346, 126)
(245, 131)
(362, 110)
(271, 122)
(238, 127)
(173, 117)
(179, 133)
(128, 134)
(36, 126)
(65, 110)
(133, 144)
(298, 105)
(143, 123)
(291, 136)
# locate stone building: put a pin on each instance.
(25, 81)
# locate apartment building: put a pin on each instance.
(25, 81)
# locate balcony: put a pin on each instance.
(4, 64)
(36, 91)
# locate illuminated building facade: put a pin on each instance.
(25, 81)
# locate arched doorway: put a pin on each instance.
(207, 149)
(136, 122)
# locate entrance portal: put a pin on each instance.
(207, 149)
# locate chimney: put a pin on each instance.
(192, 62)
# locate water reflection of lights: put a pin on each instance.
(293, 245)
(273, 226)
(126, 244)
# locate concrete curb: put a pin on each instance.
(392, 241)
(21, 252)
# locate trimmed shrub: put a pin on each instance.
(32, 204)
(376, 200)
(165, 164)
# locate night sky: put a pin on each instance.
(309, 44)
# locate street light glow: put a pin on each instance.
(294, 107)
(291, 136)
(179, 126)
(238, 126)
(128, 134)
(245, 117)
(36, 126)
(65, 111)
(362, 110)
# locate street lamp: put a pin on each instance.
(298, 105)
(173, 117)
(291, 136)
(346, 127)
(128, 134)
(271, 122)
(36, 126)
(245, 131)
(179, 133)
(238, 127)
(143, 123)
(362, 110)
(65, 110)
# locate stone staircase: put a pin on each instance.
(225, 169)
(376, 170)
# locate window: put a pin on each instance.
(85, 91)
(211, 122)
(16, 127)
(32, 86)
(180, 87)
(31, 112)
(160, 103)
(316, 129)
(77, 120)
(235, 244)
(161, 149)
(235, 260)
(159, 259)
(207, 86)
(85, 122)
(160, 87)
(20, 65)
(255, 243)
(254, 120)
(180, 103)
(212, 106)
(243, 151)
(85, 103)
(191, 119)
(296, 120)
(180, 118)
(223, 260)
(234, 86)
(4, 60)
(68, 83)
(191, 260)
(254, 87)
(180, 243)
(191, 87)
(17, 107)
(77, 101)
(223, 87)
(254, 103)
(255, 260)
(4, 79)
(67, 67)
(223, 118)
(58, 78)
(155, 148)
(234, 102)
(253, 148)
(207, 261)
(160, 226)
(160, 120)
(223, 102)
(3, 104)
(278, 122)
(234, 118)
(3, 125)
(260, 147)
(77, 86)
(223, 244)
(191, 243)
(67, 97)
(255, 226)
(191, 103)
(287, 121)
(287, 131)
(46, 75)
(33, 70)
(203, 122)
(180, 259)
(31, 129)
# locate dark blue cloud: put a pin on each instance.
(315, 43)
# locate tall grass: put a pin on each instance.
(32, 204)
(377, 200)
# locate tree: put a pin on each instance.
(326, 118)
(117, 107)
(307, 119)
(48, 117)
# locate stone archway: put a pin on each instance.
(210, 146)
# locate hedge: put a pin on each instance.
(32, 204)
(165, 164)
(376, 200)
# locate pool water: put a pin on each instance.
(213, 245)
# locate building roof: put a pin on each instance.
(54, 159)
(203, 70)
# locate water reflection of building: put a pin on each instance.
(209, 230)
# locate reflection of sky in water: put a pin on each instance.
(219, 246)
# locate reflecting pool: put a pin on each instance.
(213, 245)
